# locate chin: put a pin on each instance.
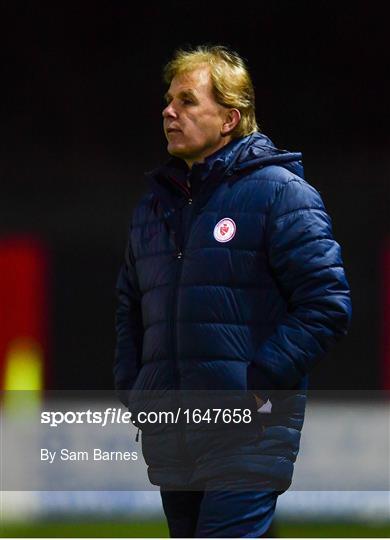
(177, 151)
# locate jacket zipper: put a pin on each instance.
(176, 371)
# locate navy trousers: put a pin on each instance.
(218, 513)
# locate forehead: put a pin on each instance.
(198, 81)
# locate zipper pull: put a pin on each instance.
(190, 201)
(137, 436)
(179, 254)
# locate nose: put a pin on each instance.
(169, 111)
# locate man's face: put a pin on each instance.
(192, 118)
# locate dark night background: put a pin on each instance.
(81, 122)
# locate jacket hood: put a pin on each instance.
(257, 150)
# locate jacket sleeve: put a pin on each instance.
(129, 327)
(307, 265)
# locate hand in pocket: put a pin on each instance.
(259, 402)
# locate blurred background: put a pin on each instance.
(81, 123)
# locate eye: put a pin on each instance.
(187, 101)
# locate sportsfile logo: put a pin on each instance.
(103, 418)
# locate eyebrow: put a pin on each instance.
(183, 93)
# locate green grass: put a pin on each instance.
(331, 530)
(158, 529)
(81, 528)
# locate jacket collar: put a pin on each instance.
(174, 173)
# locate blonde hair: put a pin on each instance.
(231, 82)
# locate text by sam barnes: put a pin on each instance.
(97, 454)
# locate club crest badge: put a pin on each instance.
(224, 230)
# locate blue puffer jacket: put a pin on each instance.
(235, 284)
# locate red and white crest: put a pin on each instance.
(224, 230)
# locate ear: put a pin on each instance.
(232, 118)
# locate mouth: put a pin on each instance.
(173, 130)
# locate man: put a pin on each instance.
(232, 281)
